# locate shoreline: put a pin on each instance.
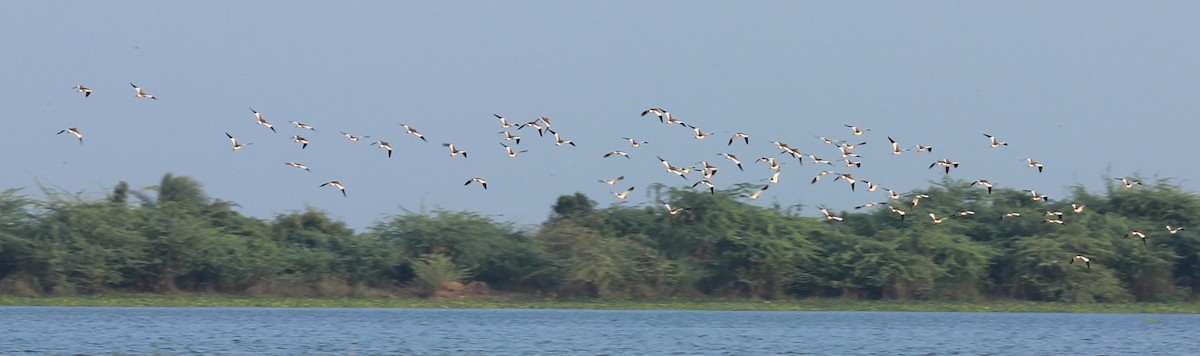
(217, 301)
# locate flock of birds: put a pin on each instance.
(845, 149)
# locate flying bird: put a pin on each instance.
(298, 165)
(1035, 164)
(819, 160)
(262, 121)
(820, 174)
(995, 143)
(619, 153)
(1174, 230)
(384, 145)
(73, 131)
(775, 177)
(1138, 234)
(868, 205)
(916, 199)
(481, 181)
(559, 141)
(303, 126)
(857, 131)
(769, 160)
(657, 112)
(896, 146)
(1086, 261)
(700, 135)
(612, 181)
(350, 137)
(830, 216)
(301, 140)
(673, 211)
(85, 90)
(1128, 182)
(708, 170)
(871, 186)
(624, 194)
(935, 219)
(411, 131)
(508, 136)
(758, 193)
(737, 135)
(1035, 196)
(454, 151)
(1077, 208)
(847, 177)
(734, 159)
(503, 121)
(533, 124)
(712, 189)
(634, 142)
(946, 162)
(897, 211)
(510, 151)
(984, 183)
(336, 184)
(142, 93)
(236, 145)
(1055, 214)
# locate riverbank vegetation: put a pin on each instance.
(173, 239)
(235, 301)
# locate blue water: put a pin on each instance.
(79, 330)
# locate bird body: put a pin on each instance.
(85, 90)
(141, 93)
(263, 121)
(73, 131)
(411, 131)
(624, 194)
(510, 152)
(336, 184)
(454, 151)
(1086, 261)
(995, 143)
(236, 144)
(384, 145)
(481, 181)
(301, 140)
(298, 165)
(303, 126)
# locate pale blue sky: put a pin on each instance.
(1082, 86)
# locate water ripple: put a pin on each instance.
(278, 331)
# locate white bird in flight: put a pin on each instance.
(263, 121)
(142, 93)
(236, 145)
(303, 126)
(85, 90)
(336, 184)
(73, 131)
(411, 131)
(481, 181)
(384, 145)
(298, 165)
(351, 137)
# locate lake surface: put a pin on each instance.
(141, 331)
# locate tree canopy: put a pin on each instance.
(173, 237)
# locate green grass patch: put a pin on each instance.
(138, 300)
